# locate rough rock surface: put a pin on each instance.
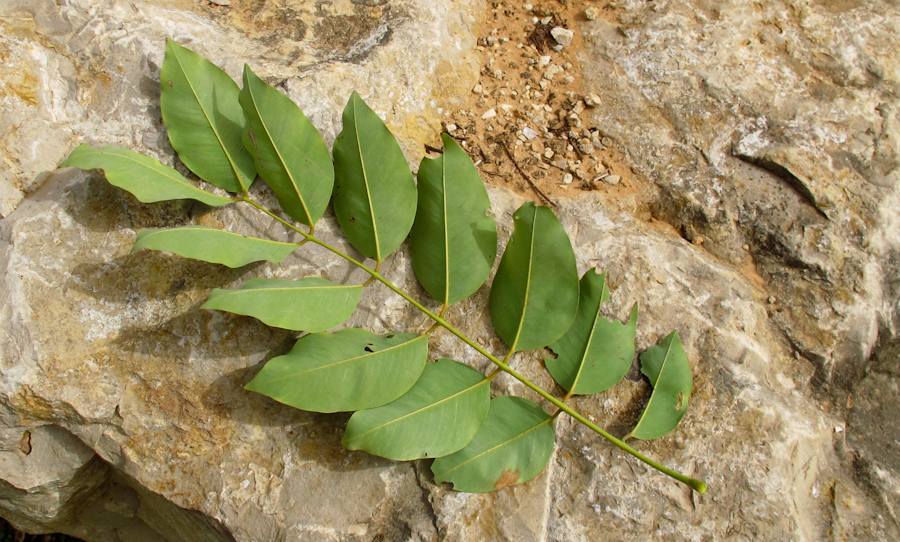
(758, 147)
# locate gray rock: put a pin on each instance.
(122, 409)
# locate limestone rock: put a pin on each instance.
(770, 132)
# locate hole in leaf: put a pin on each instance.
(369, 349)
(389, 336)
(680, 402)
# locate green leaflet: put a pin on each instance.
(595, 353)
(534, 296)
(204, 120)
(141, 175)
(512, 447)
(312, 304)
(374, 191)
(453, 240)
(352, 369)
(669, 372)
(289, 153)
(213, 245)
(439, 415)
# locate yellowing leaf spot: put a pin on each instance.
(508, 478)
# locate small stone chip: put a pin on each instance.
(489, 114)
(563, 36)
(592, 100)
(529, 132)
(612, 179)
(477, 89)
(591, 14)
(567, 178)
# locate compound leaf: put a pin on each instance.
(374, 191)
(512, 447)
(146, 178)
(595, 353)
(534, 296)
(204, 119)
(667, 368)
(312, 304)
(439, 415)
(289, 153)
(352, 369)
(453, 239)
(213, 245)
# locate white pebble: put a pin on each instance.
(567, 178)
(489, 114)
(592, 100)
(563, 36)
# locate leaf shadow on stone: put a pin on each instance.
(146, 274)
(316, 437)
(92, 202)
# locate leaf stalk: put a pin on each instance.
(696, 485)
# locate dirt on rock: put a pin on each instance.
(528, 122)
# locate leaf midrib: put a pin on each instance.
(504, 443)
(212, 125)
(185, 229)
(527, 281)
(180, 180)
(423, 409)
(590, 341)
(362, 163)
(662, 368)
(289, 288)
(348, 360)
(278, 153)
(446, 229)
